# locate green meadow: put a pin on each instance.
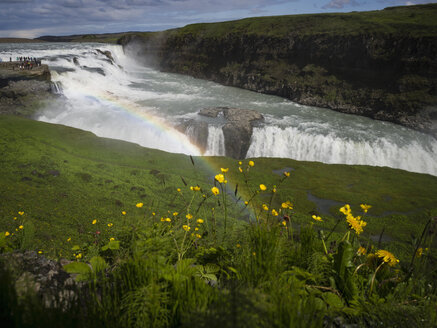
(168, 250)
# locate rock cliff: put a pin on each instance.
(380, 64)
(237, 126)
(23, 91)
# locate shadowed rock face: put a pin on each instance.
(237, 129)
(384, 75)
(23, 91)
(33, 273)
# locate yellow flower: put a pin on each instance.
(274, 213)
(69, 239)
(179, 189)
(189, 216)
(15, 217)
(20, 227)
(94, 222)
(365, 207)
(195, 188)
(224, 170)
(153, 213)
(186, 227)
(240, 162)
(251, 163)
(220, 178)
(198, 236)
(246, 203)
(200, 221)
(139, 205)
(387, 257)
(346, 209)
(7, 233)
(196, 229)
(361, 251)
(317, 218)
(355, 223)
(21, 213)
(262, 187)
(284, 223)
(215, 190)
(175, 213)
(111, 239)
(253, 253)
(240, 169)
(79, 256)
(274, 189)
(238, 245)
(287, 174)
(162, 219)
(287, 204)
(167, 220)
(39, 252)
(124, 212)
(265, 207)
(419, 252)
(110, 225)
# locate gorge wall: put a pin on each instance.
(380, 64)
(24, 91)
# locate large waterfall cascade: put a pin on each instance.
(123, 100)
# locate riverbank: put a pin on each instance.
(379, 64)
(24, 91)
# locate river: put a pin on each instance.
(124, 100)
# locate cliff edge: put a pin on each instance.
(379, 64)
(23, 91)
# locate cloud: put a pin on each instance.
(339, 4)
(100, 16)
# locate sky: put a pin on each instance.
(33, 18)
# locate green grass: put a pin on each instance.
(251, 274)
(407, 20)
(63, 178)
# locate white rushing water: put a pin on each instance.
(125, 101)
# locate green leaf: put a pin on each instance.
(77, 267)
(112, 245)
(98, 264)
(333, 300)
(75, 248)
(343, 258)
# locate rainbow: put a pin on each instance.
(153, 122)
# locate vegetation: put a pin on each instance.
(406, 21)
(166, 240)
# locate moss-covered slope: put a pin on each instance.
(63, 178)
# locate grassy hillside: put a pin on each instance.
(406, 21)
(64, 178)
(151, 255)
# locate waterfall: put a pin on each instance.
(215, 142)
(292, 142)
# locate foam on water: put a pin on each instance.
(126, 101)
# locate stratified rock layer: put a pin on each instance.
(381, 65)
(23, 91)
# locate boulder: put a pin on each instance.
(238, 128)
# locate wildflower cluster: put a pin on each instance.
(355, 223)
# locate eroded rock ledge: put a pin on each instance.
(23, 91)
(237, 125)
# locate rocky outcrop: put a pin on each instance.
(386, 72)
(22, 91)
(237, 125)
(108, 55)
(34, 274)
